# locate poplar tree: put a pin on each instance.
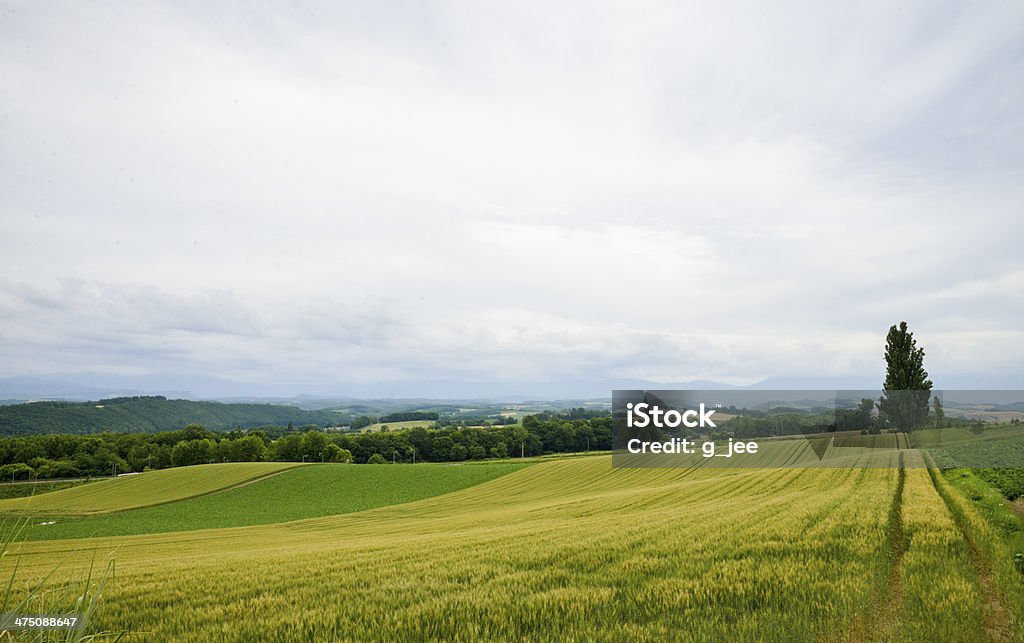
(907, 389)
(940, 414)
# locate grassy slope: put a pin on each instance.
(23, 489)
(398, 426)
(990, 501)
(308, 492)
(574, 549)
(150, 488)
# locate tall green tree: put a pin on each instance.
(940, 414)
(907, 389)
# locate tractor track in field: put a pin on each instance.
(880, 624)
(893, 597)
(996, 617)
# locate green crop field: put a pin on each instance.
(307, 492)
(934, 438)
(1006, 452)
(573, 549)
(150, 488)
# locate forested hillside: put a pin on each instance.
(149, 415)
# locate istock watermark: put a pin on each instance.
(818, 428)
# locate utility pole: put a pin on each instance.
(522, 449)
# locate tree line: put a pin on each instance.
(70, 456)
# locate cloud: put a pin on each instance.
(359, 193)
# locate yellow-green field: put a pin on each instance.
(573, 549)
(150, 488)
(398, 426)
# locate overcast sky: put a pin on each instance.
(307, 196)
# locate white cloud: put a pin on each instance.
(354, 193)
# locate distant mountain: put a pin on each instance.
(148, 414)
(92, 386)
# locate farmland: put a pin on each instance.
(574, 549)
(306, 492)
(398, 426)
(22, 489)
(153, 488)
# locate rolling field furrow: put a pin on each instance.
(576, 543)
(150, 488)
(606, 554)
(339, 489)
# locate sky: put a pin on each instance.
(340, 196)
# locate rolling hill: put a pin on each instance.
(141, 490)
(148, 415)
(574, 549)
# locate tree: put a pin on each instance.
(334, 453)
(313, 443)
(16, 470)
(188, 452)
(940, 414)
(376, 458)
(853, 419)
(287, 449)
(867, 405)
(248, 449)
(904, 404)
(361, 422)
(443, 448)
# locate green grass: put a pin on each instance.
(77, 596)
(150, 488)
(23, 489)
(308, 492)
(990, 501)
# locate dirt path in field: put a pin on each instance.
(996, 617)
